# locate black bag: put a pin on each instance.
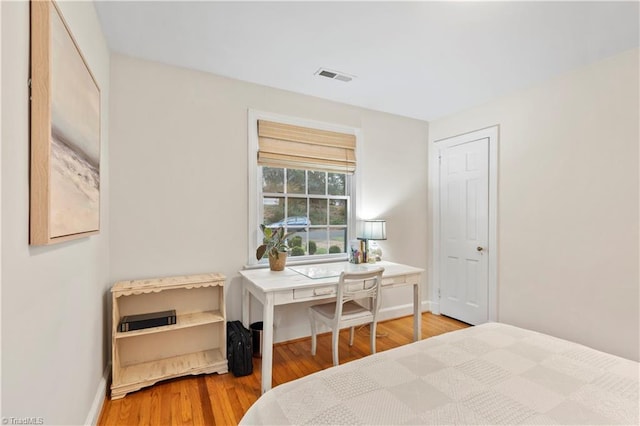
(239, 349)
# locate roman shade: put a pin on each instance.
(295, 147)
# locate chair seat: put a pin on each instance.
(350, 310)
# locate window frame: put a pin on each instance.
(255, 209)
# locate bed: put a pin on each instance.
(488, 374)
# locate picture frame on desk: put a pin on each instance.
(355, 251)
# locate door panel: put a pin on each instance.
(464, 228)
(453, 267)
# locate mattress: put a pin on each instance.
(488, 374)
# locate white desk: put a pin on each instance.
(288, 286)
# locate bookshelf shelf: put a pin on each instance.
(136, 376)
(196, 344)
(182, 321)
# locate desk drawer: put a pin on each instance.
(319, 292)
(310, 293)
(394, 280)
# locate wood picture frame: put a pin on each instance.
(65, 133)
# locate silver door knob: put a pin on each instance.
(480, 248)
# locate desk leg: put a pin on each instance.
(267, 342)
(246, 304)
(417, 312)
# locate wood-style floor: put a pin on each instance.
(223, 399)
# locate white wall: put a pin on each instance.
(179, 175)
(568, 203)
(0, 201)
(54, 344)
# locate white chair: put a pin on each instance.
(347, 310)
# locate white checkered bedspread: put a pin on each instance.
(489, 374)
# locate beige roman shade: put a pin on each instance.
(295, 147)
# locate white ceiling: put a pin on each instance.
(417, 59)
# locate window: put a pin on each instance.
(301, 185)
(313, 204)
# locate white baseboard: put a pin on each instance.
(299, 330)
(401, 310)
(98, 400)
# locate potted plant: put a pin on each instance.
(275, 246)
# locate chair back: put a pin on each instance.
(359, 286)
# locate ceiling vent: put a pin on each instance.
(334, 75)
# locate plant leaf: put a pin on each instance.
(260, 251)
(267, 231)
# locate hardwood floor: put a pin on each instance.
(223, 399)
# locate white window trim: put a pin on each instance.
(254, 209)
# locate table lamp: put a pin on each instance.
(372, 230)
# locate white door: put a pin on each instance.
(464, 231)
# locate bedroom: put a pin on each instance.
(568, 227)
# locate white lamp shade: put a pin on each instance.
(374, 230)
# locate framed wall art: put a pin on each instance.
(65, 133)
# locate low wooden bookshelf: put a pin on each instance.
(195, 344)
